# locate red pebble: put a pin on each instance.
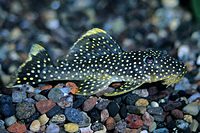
(147, 119)
(134, 121)
(17, 128)
(128, 130)
(177, 114)
(110, 123)
(89, 104)
(44, 106)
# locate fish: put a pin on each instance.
(96, 60)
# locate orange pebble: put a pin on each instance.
(46, 87)
(72, 86)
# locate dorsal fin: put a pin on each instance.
(96, 42)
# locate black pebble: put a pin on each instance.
(122, 111)
(183, 94)
(45, 92)
(94, 115)
(174, 97)
(53, 111)
(131, 99)
(171, 124)
(7, 109)
(161, 124)
(32, 118)
(113, 109)
(5, 99)
(79, 101)
(118, 100)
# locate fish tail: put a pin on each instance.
(30, 71)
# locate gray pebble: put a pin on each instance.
(2, 124)
(73, 115)
(17, 96)
(86, 120)
(10, 120)
(155, 110)
(55, 94)
(161, 130)
(53, 128)
(181, 124)
(40, 97)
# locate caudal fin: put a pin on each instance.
(29, 72)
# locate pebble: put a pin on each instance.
(171, 124)
(52, 128)
(147, 119)
(188, 118)
(94, 115)
(172, 105)
(89, 104)
(28, 88)
(182, 125)
(66, 102)
(71, 127)
(44, 106)
(194, 125)
(10, 120)
(102, 104)
(43, 119)
(134, 121)
(152, 127)
(120, 126)
(194, 97)
(25, 110)
(79, 101)
(3, 130)
(7, 109)
(86, 129)
(17, 96)
(177, 114)
(117, 118)
(141, 92)
(104, 115)
(65, 90)
(161, 130)
(2, 124)
(32, 117)
(113, 109)
(46, 87)
(131, 99)
(191, 108)
(122, 111)
(86, 120)
(39, 97)
(159, 118)
(97, 126)
(73, 87)
(102, 131)
(17, 128)
(35, 126)
(136, 109)
(73, 115)
(53, 111)
(141, 102)
(58, 119)
(110, 123)
(144, 131)
(55, 94)
(5, 99)
(128, 130)
(155, 110)
(154, 104)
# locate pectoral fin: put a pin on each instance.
(128, 86)
(92, 86)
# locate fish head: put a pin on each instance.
(159, 66)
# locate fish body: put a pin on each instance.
(97, 60)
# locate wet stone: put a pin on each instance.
(161, 130)
(97, 126)
(43, 119)
(17, 96)
(104, 115)
(117, 117)
(79, 101)
(113, 109)
(171, 124)
(102, 104)
(55, 94)
(2, 124)
(171, 105)
(52, 128)
(89, 104)
(3, 130)
(94, 115)
(136, 109)
(159, 118)
(182, 125)
(5, 99)
(152, 127)
(118, 100)
(44, 106)
(7, 109)
(147, 119)
(39, 97)
(86, 129)
(110, 123)
(73, 115)
(25, 110)
(155, 110)
(32, 117)
(131, 99)
(141, 102)
(177, 114)
(10, 120)
(35, 126)
(58, 119)
(134, 121)
(122, 111)
(17, 128)
(66, 102)
(71, 127)
(120, 126)
(192, 108)
(86, 120)
(194, 125)
(188, 118)
(53, 111)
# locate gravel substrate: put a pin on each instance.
(136, 25)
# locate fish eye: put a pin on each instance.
(149, 59)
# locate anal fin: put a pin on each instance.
(92, 86)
